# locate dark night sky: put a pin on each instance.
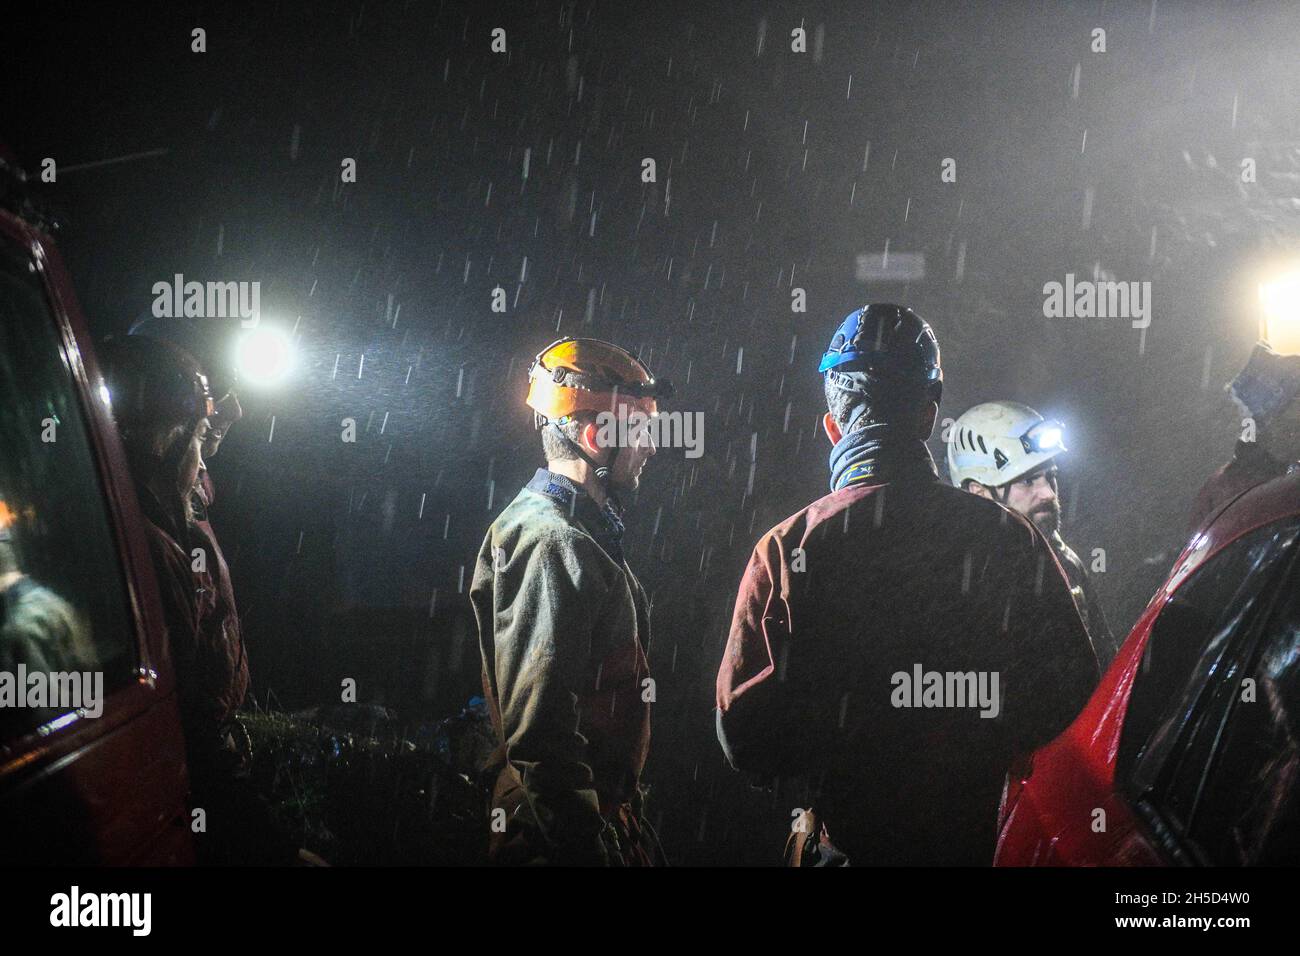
(765, 152)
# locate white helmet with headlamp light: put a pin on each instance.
(997, 443)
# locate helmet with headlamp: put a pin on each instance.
(573, 375)
(152, 381)
(997, 443)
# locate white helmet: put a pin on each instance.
(997, 442)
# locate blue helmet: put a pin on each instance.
(884, 347)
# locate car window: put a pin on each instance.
(63, 610)
(1244, 811)
(1186, 645)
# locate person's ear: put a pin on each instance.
(591, 438)
(975, 488)
(588, 437)
(832, 428)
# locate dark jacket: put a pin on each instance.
(205, 495)
(1249, 466)
(202, 623)
(564, 628)
(1087, 600)
(211, 681)
(896, 578)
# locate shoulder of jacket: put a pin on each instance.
(533, 521)
(1001, 526)
(798, 525)
(789, 533)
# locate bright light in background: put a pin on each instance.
(1281, 300)
(264, 356)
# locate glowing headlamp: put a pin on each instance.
(263, 357)
(1043, 437)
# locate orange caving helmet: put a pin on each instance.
(573, 375)
(6, 521)
(11, 517)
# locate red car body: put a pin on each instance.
(1049, 812)
(110, 790)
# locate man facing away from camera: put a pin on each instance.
(898, 642)
(564, 625)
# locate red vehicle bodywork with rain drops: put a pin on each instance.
(109, 791)
(1048, 810)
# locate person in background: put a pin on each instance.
(163, 408)
(1267, 393)
(209, 341)
(38, 628)
(564, 625)
(847, 605)
(1007, 452)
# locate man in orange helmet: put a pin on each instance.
(564, 625)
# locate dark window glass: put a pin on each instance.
(1187, 646)
(1245, 810)
(63, 607)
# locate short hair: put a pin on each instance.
(898, 407)
(555, 448)
(1000, 493)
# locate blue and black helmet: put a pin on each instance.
(887, 347)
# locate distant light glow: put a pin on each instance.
(1280, 298)
(264, 356)
(103, 394)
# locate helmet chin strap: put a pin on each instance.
(603, 473)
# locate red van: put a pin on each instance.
(77, 592)
(1188, 752)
